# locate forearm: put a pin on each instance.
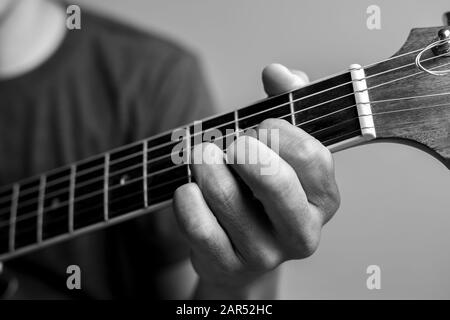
(263, 288)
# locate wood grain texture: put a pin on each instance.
(421, 115)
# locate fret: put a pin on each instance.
(221, 123)
(57, 202)
(126, 189)
(73, 172)
(158, 144)
(163, 185)
(6, 196)
(160, 158)
(275, 107)
(40, 211)
(187, 158)
(330, 115)
(144, 171)
(159, 140)
(331, 127)
(312, 107)
(88, 195)
(292, 109)
(26, 222)
(236, 124)
(327, 89)
(12, 222)
(106, 188)
(327, 111)
(356, 134)
(120, 183)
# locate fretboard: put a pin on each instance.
(142, 177)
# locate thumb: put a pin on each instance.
(278, 79)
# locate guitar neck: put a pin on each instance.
(142, 177)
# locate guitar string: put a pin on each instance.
(117, 199)
(81, 173)
(129, 182)
(57, 219)
(33, 201)
(162, 196)
(121, 171)
(303, 98)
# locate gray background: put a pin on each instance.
(395, 209)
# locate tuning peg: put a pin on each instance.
(442, 42)
(446, 18)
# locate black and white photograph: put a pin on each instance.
(247, 153)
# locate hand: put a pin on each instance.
(242, 224)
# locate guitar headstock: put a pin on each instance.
(410, 93)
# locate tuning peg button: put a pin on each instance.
(444, 47)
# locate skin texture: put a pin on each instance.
(242, 225)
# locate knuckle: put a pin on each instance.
(281, 183)
(231, 267)
(264, 260)
(306, 247)
(334, 200)
(223, 193)
(309, 248)
(310, 151)
(304, 243)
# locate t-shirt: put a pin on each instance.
(105, 86)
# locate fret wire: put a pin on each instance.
(73, 170)
(144, 172)
(178, 166)
(162, 196)
(13, 217)
(173, 167)
(336, 75)
(85, 171)
(181, 178)
(188, 152)
(347, 94)
(40, 213)
(291, 104)
(105, 188)
(334, 99)
(236, 123)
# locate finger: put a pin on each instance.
(302, 75)
(312, 162)
(275, 184)
(200, 226)
(243, 221)
(279, 79)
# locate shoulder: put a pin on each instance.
(131, 46)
